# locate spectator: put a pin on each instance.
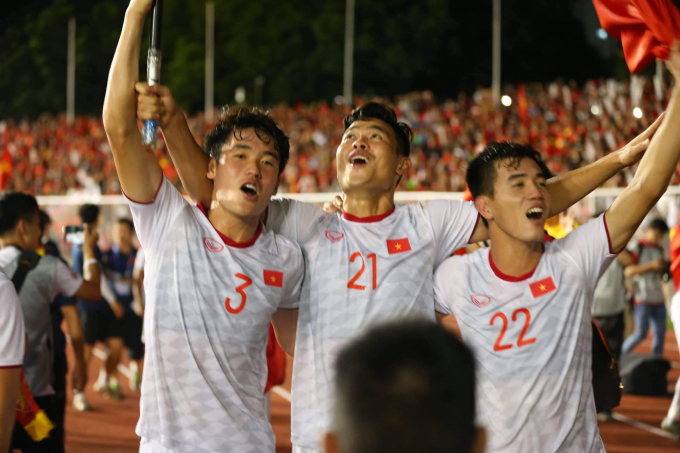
(649, 300)
(12, 345)
(405, 387)
(20, 236)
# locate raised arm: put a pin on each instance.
(156, 103)
(138, 170)
(654, 173)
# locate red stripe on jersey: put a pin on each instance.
(609, 239)
(398, 246)
(273, 278)
(9, 367)
(479, 219)
(154, 195)
(541, 287)
(506, 277)
(370, 219)
(231, 242)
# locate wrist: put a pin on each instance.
(134, 14)
(174, 122)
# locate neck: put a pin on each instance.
(512, 256)
(235, 228)
(367, 205)
(11, 240)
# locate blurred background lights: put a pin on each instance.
(601, 34)
(637, 112)
(595, 110)
(506, 100)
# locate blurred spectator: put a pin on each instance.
(649, 299)
(570, 125)
(407, 386)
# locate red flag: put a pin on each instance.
(273, 278)
(522, 104)
(276, 362)
(646, 28)
(398, 246)
(29, 415)
(542, 287)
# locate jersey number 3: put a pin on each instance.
(521, 341)
(239, 289)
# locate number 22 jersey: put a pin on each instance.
(360, 271)
(209, 301)
(532, 340)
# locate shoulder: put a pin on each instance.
(6, 287)
(462, 265)
(279, 247)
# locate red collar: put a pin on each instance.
(230, 242)
(370, 219)
(510, 278)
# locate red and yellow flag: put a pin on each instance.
(273, 278)
(30, 416)
(398, 246)
(542, 287)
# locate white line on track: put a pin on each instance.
(283, 393)
(658, 431)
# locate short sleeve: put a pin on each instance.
(292, 219)
(443, 293)
(295, 268)
(12, 334)
(453, 223)
(590, 247)
(153, 220)
(67, 282)
(139, 261)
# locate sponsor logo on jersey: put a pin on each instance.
(334, 236)
(542, 287)
(212, 245)
(480, 300)
(398, 246)
(273, 278)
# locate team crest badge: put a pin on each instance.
(212, 245)
(334, 236)
(480, 301)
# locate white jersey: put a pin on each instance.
(209, 302)
(360, 272)
(532, 340)
(12, 336)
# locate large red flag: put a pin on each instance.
(646, 28)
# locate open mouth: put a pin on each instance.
(535, 213)
(358, 160)
(249, 189)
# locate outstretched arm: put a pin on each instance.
(138, 170)
(654, 173)
(156, 103)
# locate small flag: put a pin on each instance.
(541, 287)
(398, 246)
(273, 278)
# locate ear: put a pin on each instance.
(482, 204)
(404, 166)
(331, 443)
(480, 441)
(212, 169)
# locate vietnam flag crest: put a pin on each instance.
(273, 278)
(398, 246)
(542, 287)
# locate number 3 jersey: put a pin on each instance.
(360, 271)
(209, 302)
(532, 340)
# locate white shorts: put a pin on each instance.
(297, 449)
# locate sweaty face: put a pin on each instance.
(367, 158)
(246, 175)
(521, 201)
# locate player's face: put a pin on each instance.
(31, 233)
(122, 235)
(367, 158)
(246, 175)
(521, 202)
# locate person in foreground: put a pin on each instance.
(214, 277)
(524, 304)
(403, 387)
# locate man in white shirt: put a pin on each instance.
(12, 345)
(214, 278)
(524, 305)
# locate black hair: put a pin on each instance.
(407, 386)
(234, 120)
(89, 213)
(128, 222)
(44, 220)
(658, 225)
(15, 206)
(377, 111)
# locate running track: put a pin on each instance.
(109, 428)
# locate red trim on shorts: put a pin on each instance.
(609, 239)
(231, 242)
(154, 195)
(479, 219)
(370, 219)
(510, 278)
(9, 367)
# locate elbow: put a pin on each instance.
(115, 126)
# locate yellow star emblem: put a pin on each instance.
(398, 246)
(542, 287)
(273, 279)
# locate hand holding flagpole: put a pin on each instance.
(153, 66)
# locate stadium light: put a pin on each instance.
(637, 112)
(595, 110)
(506, 100)
(601, 33)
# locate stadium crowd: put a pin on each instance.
(570, 125)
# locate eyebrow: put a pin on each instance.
(242, 147)
(524, 175)
(372, 126)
